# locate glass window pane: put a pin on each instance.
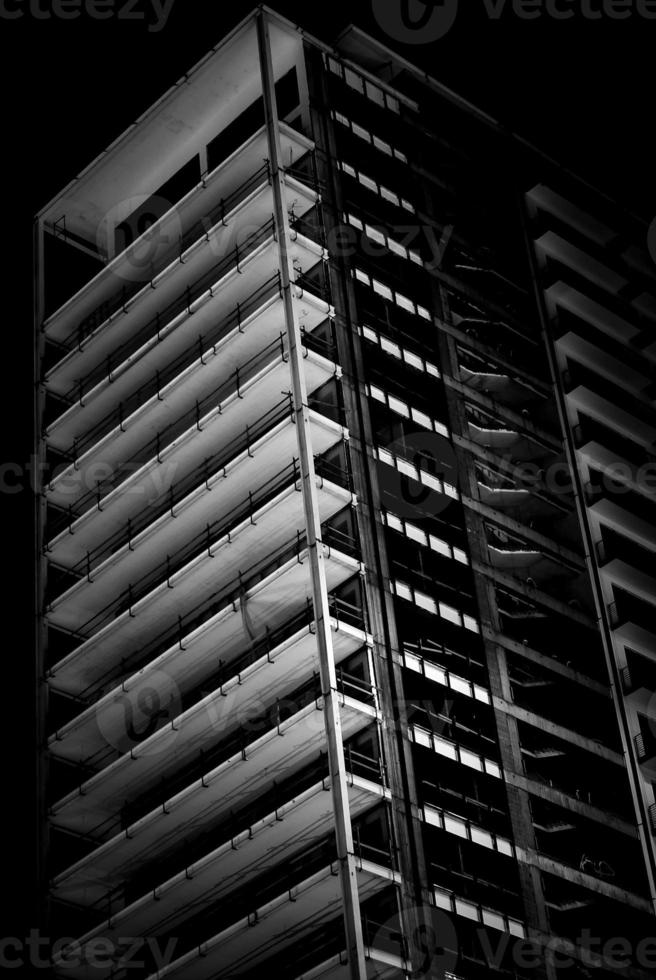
(395, 522)
(460, 685)
(375, 234)
(415, 534)
(407, 468)
(382, 289)
(440, 546)
(405, 303)
(443, 899)
(390, 347)
(413, 360)
(421, 418)
(435, 673)
(392, 102)
(448, 612)
(481, 837)
(398, 406)
(422, 737)
(494, 920)
(396, 248)
(432, 816)
(516, 928)
(431, 481)
(442, 747)
(455, 826)
(471, 760)
(353, 80)
(425, 602)
(467, 909)
(492, 768)
(375, 94)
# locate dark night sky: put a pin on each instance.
(583, 90)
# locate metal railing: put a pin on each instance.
(191, 481)
(346, 544)
(126, 407)
(305, 170)
(616, 618)
(194, 547)
(627, 680)
(322, 289)
(371, 852)
(155, 325)
(237, 740)
(266, 644)
(645, 746)
(359, 764)
(307, 228)
(196, 231)
(198, 614)
(334, 473)
(229, 593)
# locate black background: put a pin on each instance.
(582, 90)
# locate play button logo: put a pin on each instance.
(415, 21)
(414, 482)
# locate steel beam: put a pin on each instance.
(332, 720)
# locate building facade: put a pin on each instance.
(346, 413)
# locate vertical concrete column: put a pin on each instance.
(338, 781)
(415, 917)
(40, 911)
(636, 780)
(507, 729)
